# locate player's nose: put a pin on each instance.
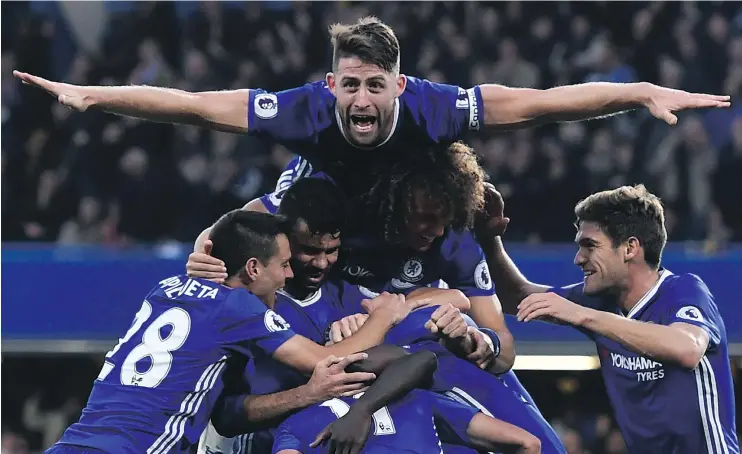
(362, 99)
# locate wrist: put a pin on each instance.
(492, 339)
(640, 93)
(586, 318)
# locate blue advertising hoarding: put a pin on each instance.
(82, 299)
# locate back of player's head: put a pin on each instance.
(241, 235)
(625, 212)
(449, 174)
(317, 203)
(369, 39)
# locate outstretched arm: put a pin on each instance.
(219, 110)
(516, 108)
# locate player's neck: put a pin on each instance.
(640, 281)
(296, 291)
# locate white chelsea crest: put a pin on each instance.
(690, 313)
(482, 276)
(274, 322)
(266, 105)
(412, 271)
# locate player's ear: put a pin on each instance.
(252, 269)
(330, 80)
(401, 84)
(631, 248)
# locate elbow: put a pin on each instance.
(427, 362)
(460, 301)
(689, 358)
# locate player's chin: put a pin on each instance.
(363, 138)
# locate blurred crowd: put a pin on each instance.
(91, 178)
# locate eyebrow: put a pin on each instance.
(587, 242)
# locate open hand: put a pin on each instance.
(203, 265)
(662, 102)
(73, 96)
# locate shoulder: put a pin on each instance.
(460, 244)
(687, 289)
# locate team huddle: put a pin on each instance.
(360, 306)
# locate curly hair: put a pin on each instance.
(450, 175)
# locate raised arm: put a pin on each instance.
(511, 286)
(219, 110)
(516, 108)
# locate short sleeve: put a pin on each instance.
(447, 112)
(292, 116)
(452, 419)
(283, 438)
(244, 321)
(691, 302)
(466, 267)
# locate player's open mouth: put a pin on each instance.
(363, 123)
(588, 273)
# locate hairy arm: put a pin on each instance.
(246, 413)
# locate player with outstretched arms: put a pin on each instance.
(158, 384)
(366, 109)
(312, 300)
(661, 341)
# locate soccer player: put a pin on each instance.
(406, 426)
(366, 104)
(157, 385)
(661, 341)
(311, 301)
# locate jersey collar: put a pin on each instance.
(664, 274)
(391, 132)
(308, 301)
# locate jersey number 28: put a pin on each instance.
(153, 346)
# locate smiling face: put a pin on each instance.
(426, 221)
(605, 268)
(366, 97)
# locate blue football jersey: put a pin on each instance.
(662, 407)
(304, 119)
(455, 377)
(455, 258)
(157, 386)
(405, 426)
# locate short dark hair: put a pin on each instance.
(369, 39)
(318, 203)
(241, 235)
(625, 212)
(449, 174)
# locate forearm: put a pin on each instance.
(225, 110)
(249, 413)
(523, 107)
(491, 434)
(439, 296)
(399, 378)
(511, 286)
(371, 334)
(659, 342)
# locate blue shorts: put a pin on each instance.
(470, 385)
(72, 449)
